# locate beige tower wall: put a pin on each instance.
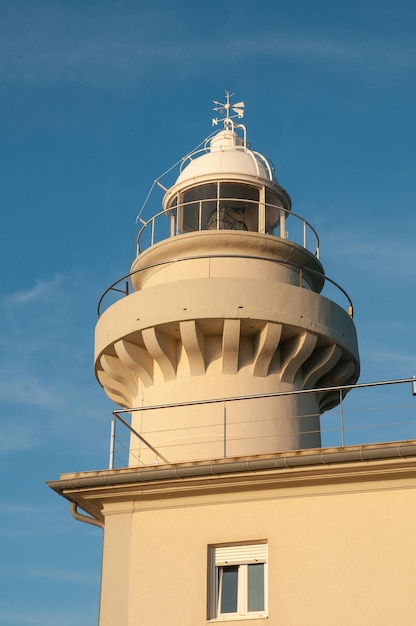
(225, 429)
(215, 317)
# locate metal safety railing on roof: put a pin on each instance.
(387, 418)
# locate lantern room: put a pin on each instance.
(227, 186)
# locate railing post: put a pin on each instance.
(112, 442)
(172, 221)
(341, 418)
(283, 224)
(153, 230)
(262, 211)
(225, 430)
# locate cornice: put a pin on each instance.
(355, 468)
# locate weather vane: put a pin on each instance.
(227, 109)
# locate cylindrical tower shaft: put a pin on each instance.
(225, 307)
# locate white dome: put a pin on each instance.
(227, 156)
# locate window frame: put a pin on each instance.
(240, 555)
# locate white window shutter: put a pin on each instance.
(239, 554)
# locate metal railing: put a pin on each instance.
(356, 421)
(122, 285)
(164, 225)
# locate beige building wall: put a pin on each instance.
(340, 537)
(220, 315)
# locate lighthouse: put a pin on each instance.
(226, 319)
(221, 353)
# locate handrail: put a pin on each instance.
(346, 426)
(270, 394)
(301, 269)
(287, 212)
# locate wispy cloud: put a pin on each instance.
(16, 438)
(30, 522)
(9, 508)
(66, 575)
(47, 382)
(382, 255)
(394, 358)
(47, 46)
(22, 388)
(43, 289)
(33, 617)
(98, 61)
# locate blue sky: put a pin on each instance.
(98, 99)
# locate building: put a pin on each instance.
(225, 354)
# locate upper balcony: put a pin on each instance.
(232, 212)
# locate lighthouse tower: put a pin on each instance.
(221, 356)
(226, 326)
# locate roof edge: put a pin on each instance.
(296, 459)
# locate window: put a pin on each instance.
(238, 581)
(198, 204)
(218, 206)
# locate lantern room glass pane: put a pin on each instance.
(198, 203)
(255, 582)
(273, 205)
(240, 207)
